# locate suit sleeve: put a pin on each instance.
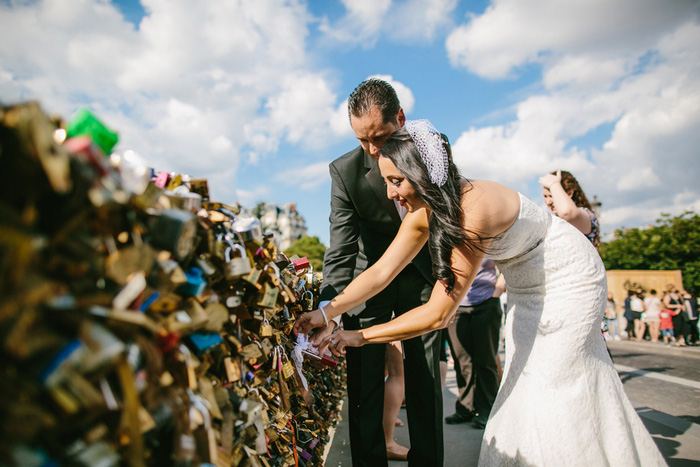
(341, 257)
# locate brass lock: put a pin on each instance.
(309, 297)
(268, 297)
(265, 329)
(124, 261)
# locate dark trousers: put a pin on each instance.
(693, 336)
(365, 372)
(630, 326)
(474, 345)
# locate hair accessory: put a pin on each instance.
(431, 148)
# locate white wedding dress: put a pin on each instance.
(561, 402)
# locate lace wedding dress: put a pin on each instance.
(561, 401)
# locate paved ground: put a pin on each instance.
(677, 438)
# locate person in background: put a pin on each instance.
(637, 307)
(666, 319)
(675, 303)
(474, 338)
(565, 198)
(363, 223)
(691, 309)
(652, 305)
(629, 316)
(611, 317)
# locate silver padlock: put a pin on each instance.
(203, 432)
(250, 230)
(274, 273)
(237, 262)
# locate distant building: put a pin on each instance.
(285, 222)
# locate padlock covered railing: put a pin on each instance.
(143, 323)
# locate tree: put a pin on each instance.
(311, 247)
(673, 243)
(259, 209)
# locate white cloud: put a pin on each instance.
(361, 24)
(196, 85)
(641, 78)
(415, 20)
(303, 110)
(340, 121)
(250, 197)
(512, 33)
(514, 154)
(635, 178)
(305, 178)
(584, 72)
(412, 21)
(648, 211)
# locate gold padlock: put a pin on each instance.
(265, 329)
(232, 367)
(268, 297)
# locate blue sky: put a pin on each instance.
(251, 94)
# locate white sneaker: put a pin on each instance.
(616, 337)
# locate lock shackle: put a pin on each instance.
(233, 238)
(136, 237)
(226, 212)
(182, 348)
(197, 405)
(110, 244)
(274, 267)
(234, 246)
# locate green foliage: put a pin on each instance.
(311, 247)
(258, 210)
(673, 243)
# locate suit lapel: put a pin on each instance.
(374, 178)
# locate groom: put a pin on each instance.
(363, 224)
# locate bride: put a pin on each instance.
(560, 401)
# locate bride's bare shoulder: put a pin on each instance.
(489, 207)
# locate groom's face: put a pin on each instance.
(371, 130)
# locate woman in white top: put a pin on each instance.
(652, 317)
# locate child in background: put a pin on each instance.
(666, 316)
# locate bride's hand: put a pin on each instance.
(337, 342)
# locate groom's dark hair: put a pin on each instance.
(374, 92)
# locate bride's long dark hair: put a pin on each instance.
(447, 217)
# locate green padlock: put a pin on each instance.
(84, 122)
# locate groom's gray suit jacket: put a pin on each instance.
(363, 224)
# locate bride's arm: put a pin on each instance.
(488, 215)
(439, 311)
(411, 237)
